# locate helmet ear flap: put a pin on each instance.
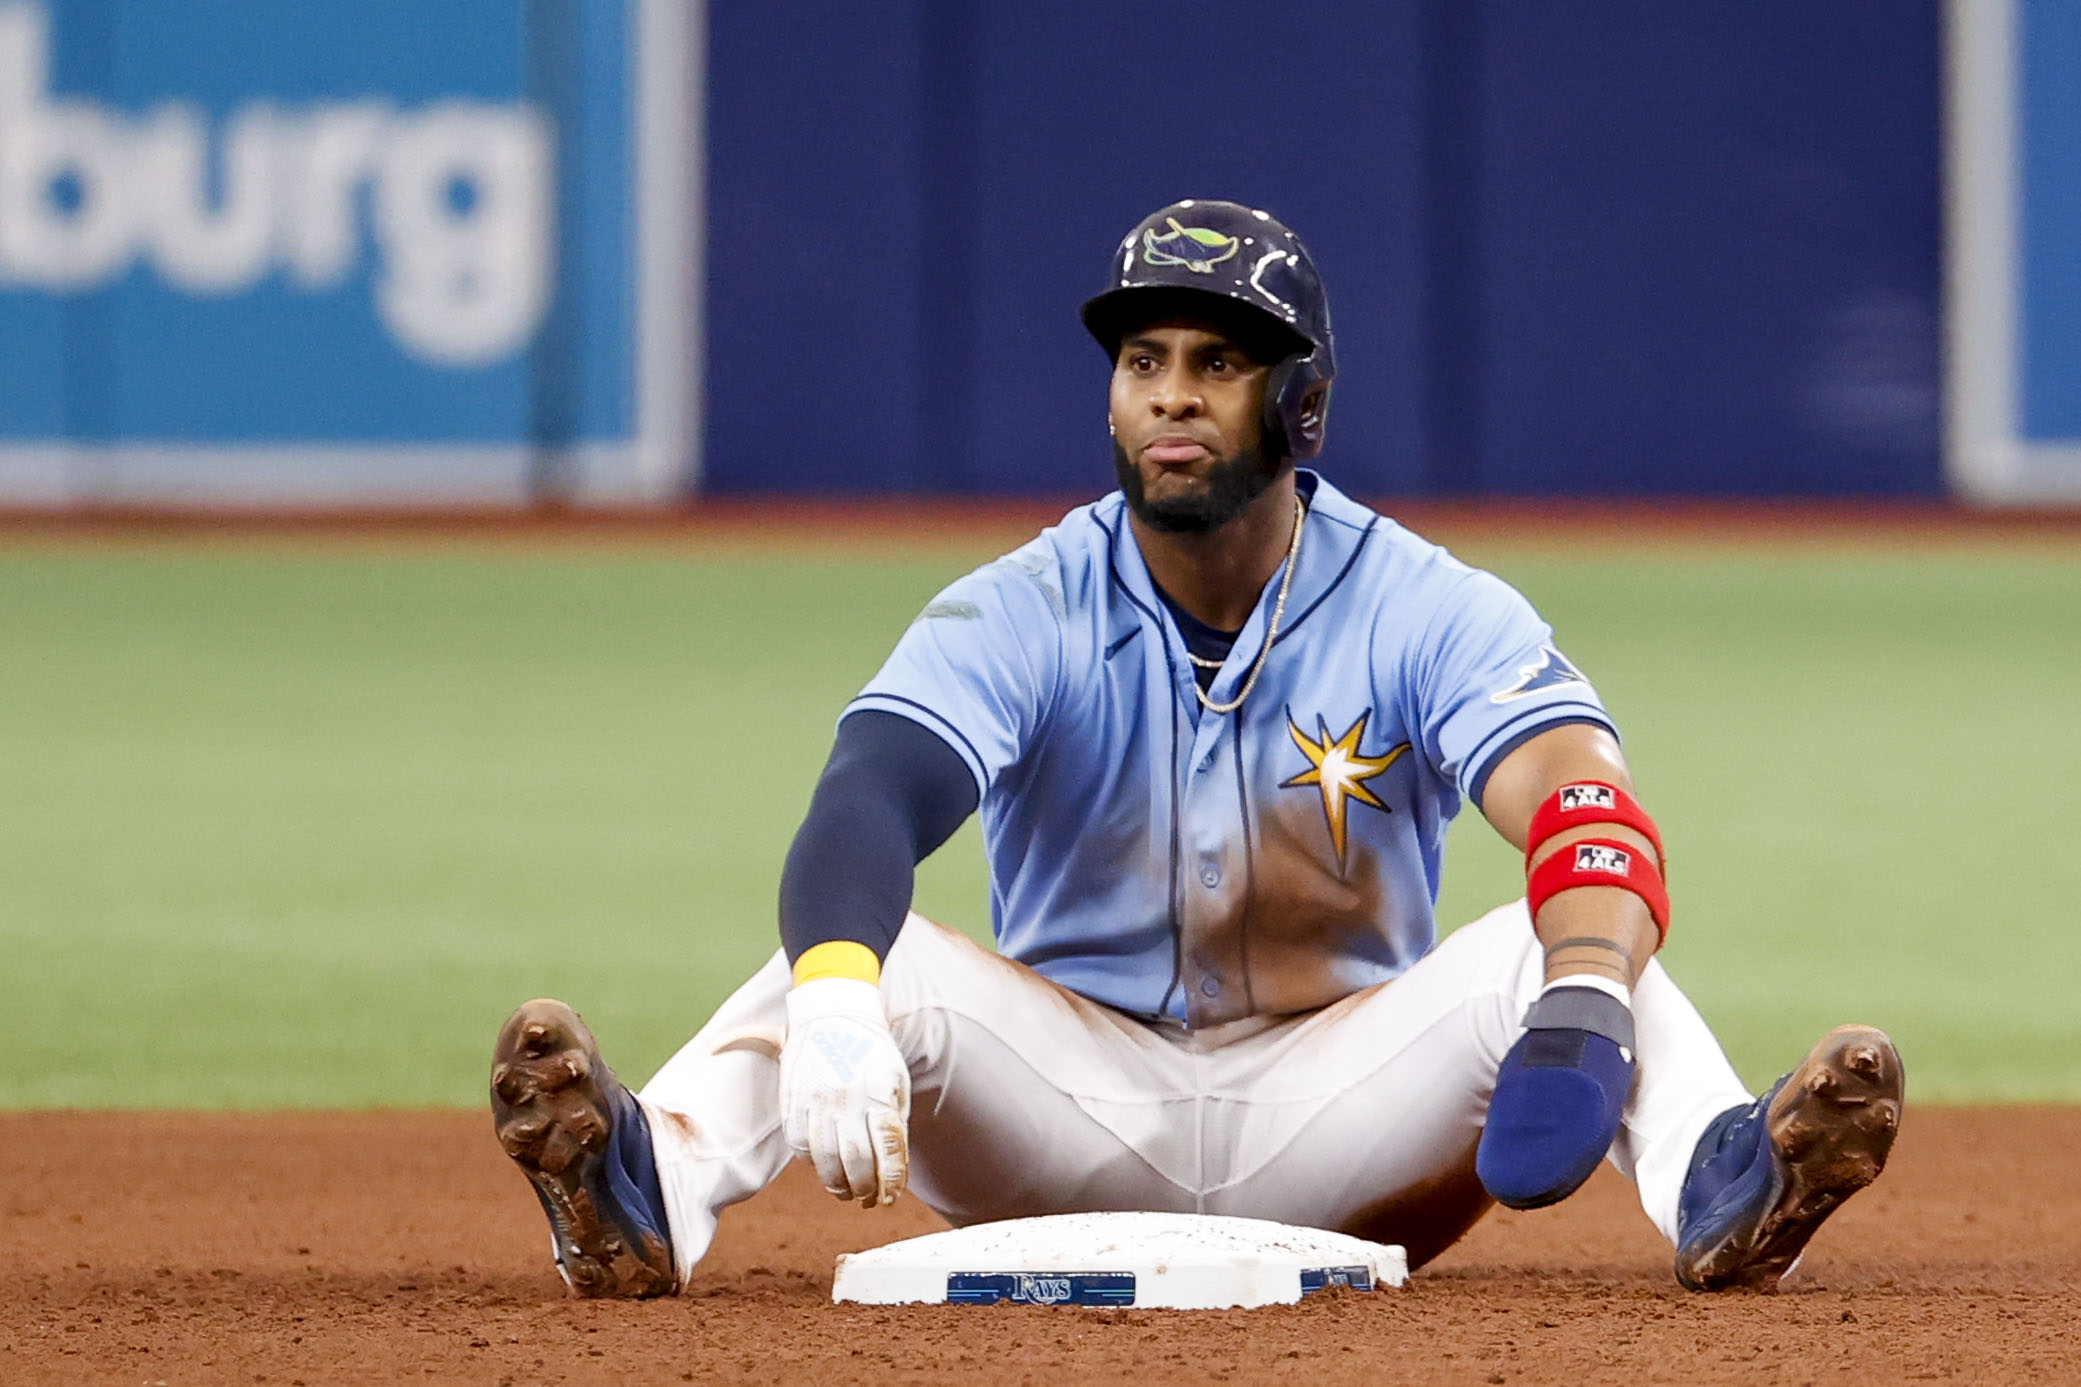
(1296, 407)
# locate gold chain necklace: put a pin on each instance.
(1293, 554)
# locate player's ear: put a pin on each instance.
(1314, 406)
(1311, 420)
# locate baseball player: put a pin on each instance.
(1215, 724)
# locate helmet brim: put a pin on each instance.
(1111, 316)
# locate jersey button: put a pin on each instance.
(1210, 876)
(1209, 987)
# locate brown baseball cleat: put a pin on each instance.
(581, 1139)
(1765, 1175)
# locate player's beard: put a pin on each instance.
(1231, 485)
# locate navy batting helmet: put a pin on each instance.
(1194, 253)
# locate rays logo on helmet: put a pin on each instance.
(1588, 797)
(1592, 858)
(1550, 670)
(1195, 247)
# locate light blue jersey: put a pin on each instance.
(1165, 859)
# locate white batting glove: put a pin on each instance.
(845, 1090)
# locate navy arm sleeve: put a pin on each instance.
(891, 793)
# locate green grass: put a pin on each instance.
(289, 828)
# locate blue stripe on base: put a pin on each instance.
(1040, 1287)
(1322, 1278)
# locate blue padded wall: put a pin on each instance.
(1630, 248)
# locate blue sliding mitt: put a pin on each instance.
(1559, 1096)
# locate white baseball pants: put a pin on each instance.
(1028, 1099)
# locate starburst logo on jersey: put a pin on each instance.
(1546, 672)
(1195, 247)
(1339, 771)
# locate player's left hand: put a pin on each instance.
(845, 1090)
(1560, 1095)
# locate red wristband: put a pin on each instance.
(1601, 862)
(1590, 802)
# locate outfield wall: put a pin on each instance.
(382, 252)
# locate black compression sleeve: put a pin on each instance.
(890, 794)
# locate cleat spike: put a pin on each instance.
(512, 1084)
(523, 1136)
(559, 1151)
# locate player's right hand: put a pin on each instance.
(845, 1090)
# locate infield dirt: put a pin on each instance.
(388, 1247)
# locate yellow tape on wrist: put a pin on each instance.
(838, 958)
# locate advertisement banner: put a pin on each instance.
(348, 251)
(2013, 279)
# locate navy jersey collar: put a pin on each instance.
(1337, 526)
(1337, 529)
